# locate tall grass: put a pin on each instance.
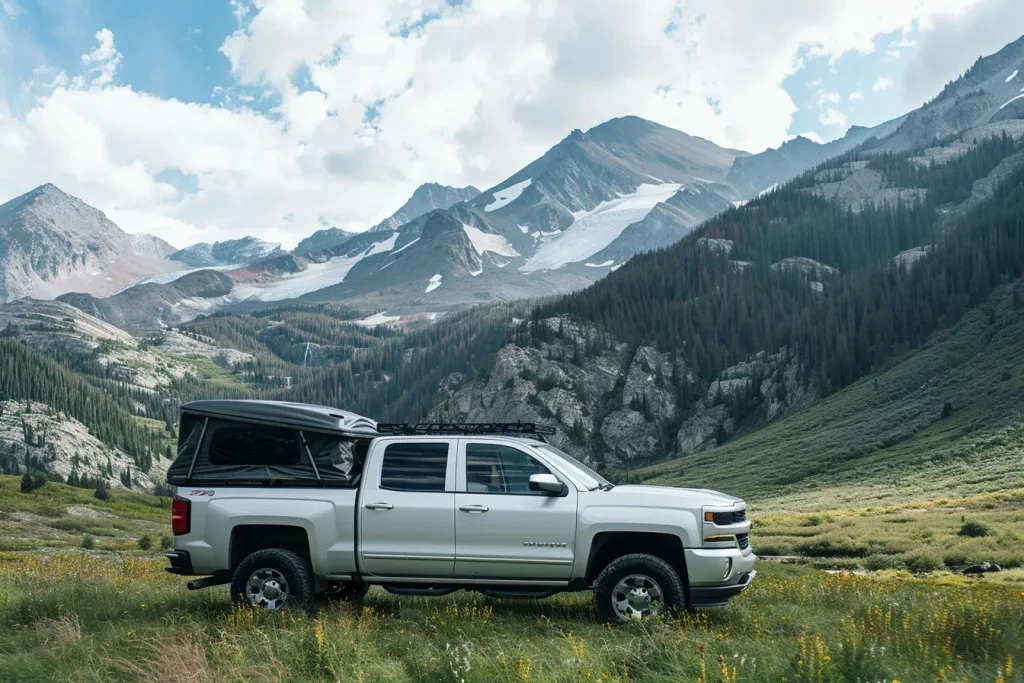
(75, 618)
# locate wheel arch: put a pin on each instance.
(607, 546)
(245, 539)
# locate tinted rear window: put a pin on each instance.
(415, 467)
(245, 444)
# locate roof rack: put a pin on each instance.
(437, 428)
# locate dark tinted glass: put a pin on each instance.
(188, 433)
(414, 467)
(500, 469)
(243, 444)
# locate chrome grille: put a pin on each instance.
(743, 540)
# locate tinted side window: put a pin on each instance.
(245, 444)
(414, 467)
(500, 469)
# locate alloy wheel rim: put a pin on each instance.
(267, 588)
(637, 597)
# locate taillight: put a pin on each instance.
(181, 513)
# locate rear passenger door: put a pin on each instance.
(407, 509)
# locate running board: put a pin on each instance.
(419, 590)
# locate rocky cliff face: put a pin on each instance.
(61, 445)
(425, 199)
(620, 407)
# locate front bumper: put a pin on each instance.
(716, 596)
(181, 562)
(715, 575)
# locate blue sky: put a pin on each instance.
(171, 49)
(212, 119)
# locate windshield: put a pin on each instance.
(580, 472)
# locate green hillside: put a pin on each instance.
(890, 437)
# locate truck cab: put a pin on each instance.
(429, 509)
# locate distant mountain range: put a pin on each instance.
(581, 210)
(833, 295)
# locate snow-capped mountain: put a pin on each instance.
(51, 242)
(230, 252)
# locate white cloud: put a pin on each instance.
(810, 135)
(833, 117)
(883, 83)
(856, 95)
(828, 97)
(468, 97)
(104, 61)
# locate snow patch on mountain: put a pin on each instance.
(486, 241)
(600, 265)
(508, 195)
(316, 276)
(435, 282)
(1012, 99)
(596, 229)
(378, 319)
(1012, 76)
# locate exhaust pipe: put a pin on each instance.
(206, 582)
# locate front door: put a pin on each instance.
(407, 509)
(502, 529)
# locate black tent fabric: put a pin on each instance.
(226, 444)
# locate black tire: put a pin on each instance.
(641, 564)
(295, 571)
(347, 591)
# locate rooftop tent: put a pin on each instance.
(268, 442)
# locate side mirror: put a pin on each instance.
(546, 483)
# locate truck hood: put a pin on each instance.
(665, 496)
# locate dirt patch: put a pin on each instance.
(86, 511)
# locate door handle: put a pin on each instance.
(474, 508)
(379, 506)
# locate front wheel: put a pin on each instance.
(637, 586)
(273, 579)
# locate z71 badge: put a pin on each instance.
(200, 492)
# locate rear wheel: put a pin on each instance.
(637, 586)
(273, 579)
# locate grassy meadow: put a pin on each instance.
(110, 612)
(71, 617)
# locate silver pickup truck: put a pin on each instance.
(288, 501)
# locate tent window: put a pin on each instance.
(246, 444)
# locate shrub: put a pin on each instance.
(831, 546)
(166, 542)
(813, 520)
(878, 562)
(32, 481)
(145, 543)
(101, 492)
(947, 409)
(87, 542)
(924, 562)
(973, 530)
